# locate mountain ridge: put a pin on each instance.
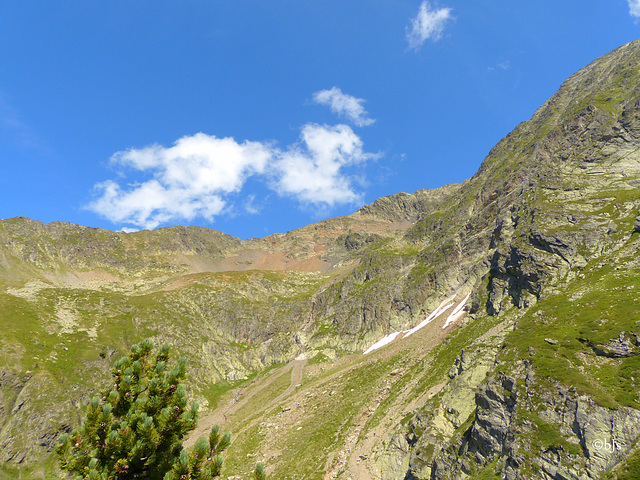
(538, 367)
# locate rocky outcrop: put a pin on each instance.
(565, 435)
(626, 345)
(409, 207)
(29, 428)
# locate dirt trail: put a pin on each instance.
(296, 378)
(355, 459)
(240, 398)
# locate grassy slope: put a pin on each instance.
(356, 392)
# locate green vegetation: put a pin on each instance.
(629, 470)
(544, 435)
(135, 429)
(319, 358)
(488, 472)
(578, 319)
(279, 385)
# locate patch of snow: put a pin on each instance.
(444, 306)
(381, 343)
(427, 320)
(457, 312)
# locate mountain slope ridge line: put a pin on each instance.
(544, 237)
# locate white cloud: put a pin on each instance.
(506, 65)
(250, 207)
(188, 181)
(313, 170)
(201, 162)
(634, 8)
(344, 105)
(195, 177)
(428, 24)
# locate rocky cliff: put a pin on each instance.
(560, 400)
(528, 273)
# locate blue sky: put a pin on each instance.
(256, 117)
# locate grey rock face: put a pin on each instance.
(592, 438)
(394, 465)
(490, 435)
(409, 207)
(626, 345)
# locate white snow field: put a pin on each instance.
(443, 307)
(457, 312)
(381, 343)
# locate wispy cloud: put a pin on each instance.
(506, 65)
(250, 206)
(197, 176)
(17, 131)
(427, 25)
(344, 105)
(634, 8)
